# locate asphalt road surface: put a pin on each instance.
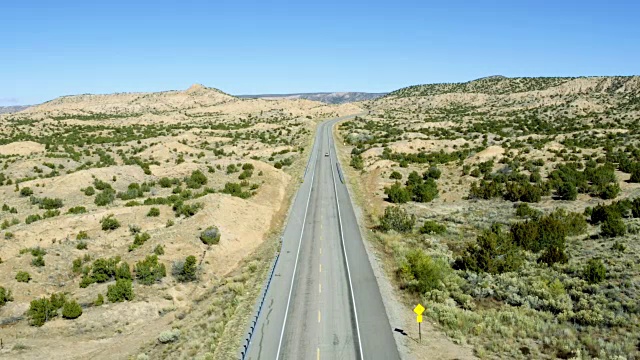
(324, 301)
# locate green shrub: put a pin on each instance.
(395, 175)
(26, 191)
(245, 174)
(188, 210)
(601, 213)
(522, 191)
(635, 208)
(159, 250)
(7, 224)
(432, 173)
(595, 271)
(82, 235)
(23, 276)
(610, 191)
(554, 254)
(149, 270)
(109, 223)
(486, 190)
(524, 210)
(210, 236)
(413, 179)
(139, 240)
(165, 182)
(41, 311)
(357, 162)
(37, 261)
(104, 270)
(425, 192)
(47, 203)
(421, 273)
(71, 310)
(535, 177)
(77, 210)
(153, 212)
(99, 300)
(58, 300)
(169, 336)
(568, 191)
(102, 185)
(235, 189)
(397, 194)
(32, 218)
(396, 219)
(231, 168)
(618, 246)
(105, 198)
(613, 226)
(5, 296)
(35, 251)
(89, 191)
(120, 291)
(185, 271)
(123, 271)
(432, 227)
(196, 180)
(50, 213)
(548, 231)
(76, 265)
(494, 252)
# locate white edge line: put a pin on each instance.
(295, 266)
(344, 251)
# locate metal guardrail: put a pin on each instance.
(254, 322)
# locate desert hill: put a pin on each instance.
(510, 207)
(198, 100)
(500, 85)
(183, 192)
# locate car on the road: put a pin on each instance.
(326, 154)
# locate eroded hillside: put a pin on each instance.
(510, 208)
(135, 224)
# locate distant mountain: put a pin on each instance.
(491, 85)
(500, 85)
(12, 109)
(325, 97)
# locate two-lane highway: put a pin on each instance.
(324, 301)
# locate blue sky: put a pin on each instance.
(49, 49)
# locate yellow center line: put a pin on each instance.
(320, 267)
(320, 288)
(318, 357)
(320, 251)
(319, 316)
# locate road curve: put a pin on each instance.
(324, 301)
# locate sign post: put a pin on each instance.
(419, 310)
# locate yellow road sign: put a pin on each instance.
(419, 318)
(419, 309)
